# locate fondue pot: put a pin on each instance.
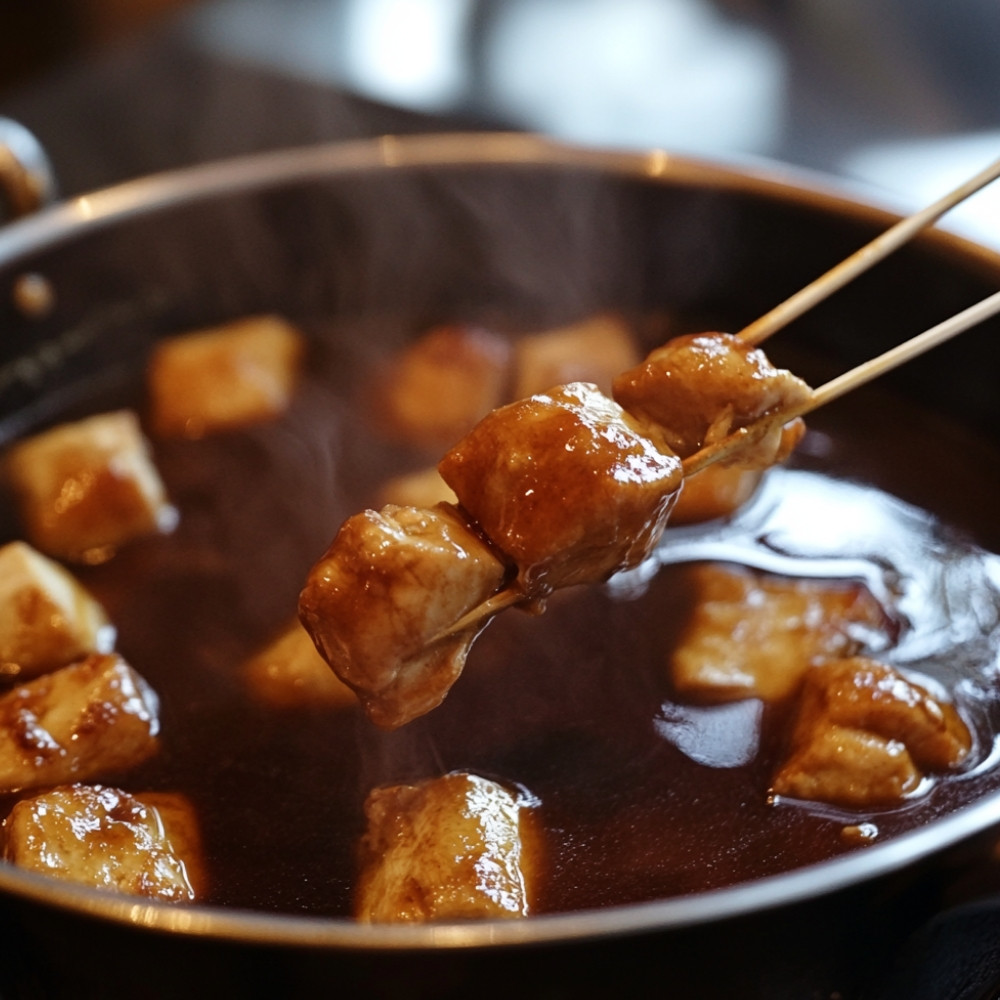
(488, 227)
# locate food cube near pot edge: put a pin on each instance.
(457, 847)
(143, 845)
(89, 720)
(289, 672)
(594, 350)
(754, 635)
(224, 377)
(866, 736)
(86, 488)
(47, 618)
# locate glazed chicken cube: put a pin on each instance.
(289, 672)
(441, 384)
(47, 618)
(565, 486)
(378, 602)
(753, 635)
(87, 720)
(88, 487)
(699, 388)
(458, 847)
(594, 350)
(865, 735)
(108, 839)
(224, 377)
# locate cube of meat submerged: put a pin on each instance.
(458, 847)
(864, 735)
(289, 671)
(47, 619)
(701, 387)
(88, 487)
(753, 635)
(441, 384)
(565, 486)
(594, 350)
(108, 839)
(391, 582)
(224, 377)
(93, 718)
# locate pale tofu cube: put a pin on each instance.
(594, 350)
(86, 488)
(423, 488)
(88, 720)
(47, 618)
(289, 672)
(458, 847)
(753, 635)
(108, 839)
(225, 377)
(436, 389)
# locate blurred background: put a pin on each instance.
(902, 96)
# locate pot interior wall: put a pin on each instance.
(522, 246)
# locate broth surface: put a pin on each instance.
(640, 796)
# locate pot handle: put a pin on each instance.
(26, 179)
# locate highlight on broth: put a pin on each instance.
(730, 686)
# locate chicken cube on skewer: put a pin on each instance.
(565, 485)
(865, 735)
(379, 601)
(85, 488)
(699, 388)
(224, 377)
(754, 635)
(458, 847)
(108, 839)
(87, 720)
(47, 618)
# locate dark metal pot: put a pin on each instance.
(466, 225)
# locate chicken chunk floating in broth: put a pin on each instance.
(457, 847)
(109, 839)
(755, 635)
(865, 736)
(565, 487)
(93, 718)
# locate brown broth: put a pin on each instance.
(573, 706)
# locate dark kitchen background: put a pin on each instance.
(902, 96)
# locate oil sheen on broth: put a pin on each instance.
(640, 796)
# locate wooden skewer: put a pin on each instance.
(843, 384)
(861, 260)
(734, 443)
